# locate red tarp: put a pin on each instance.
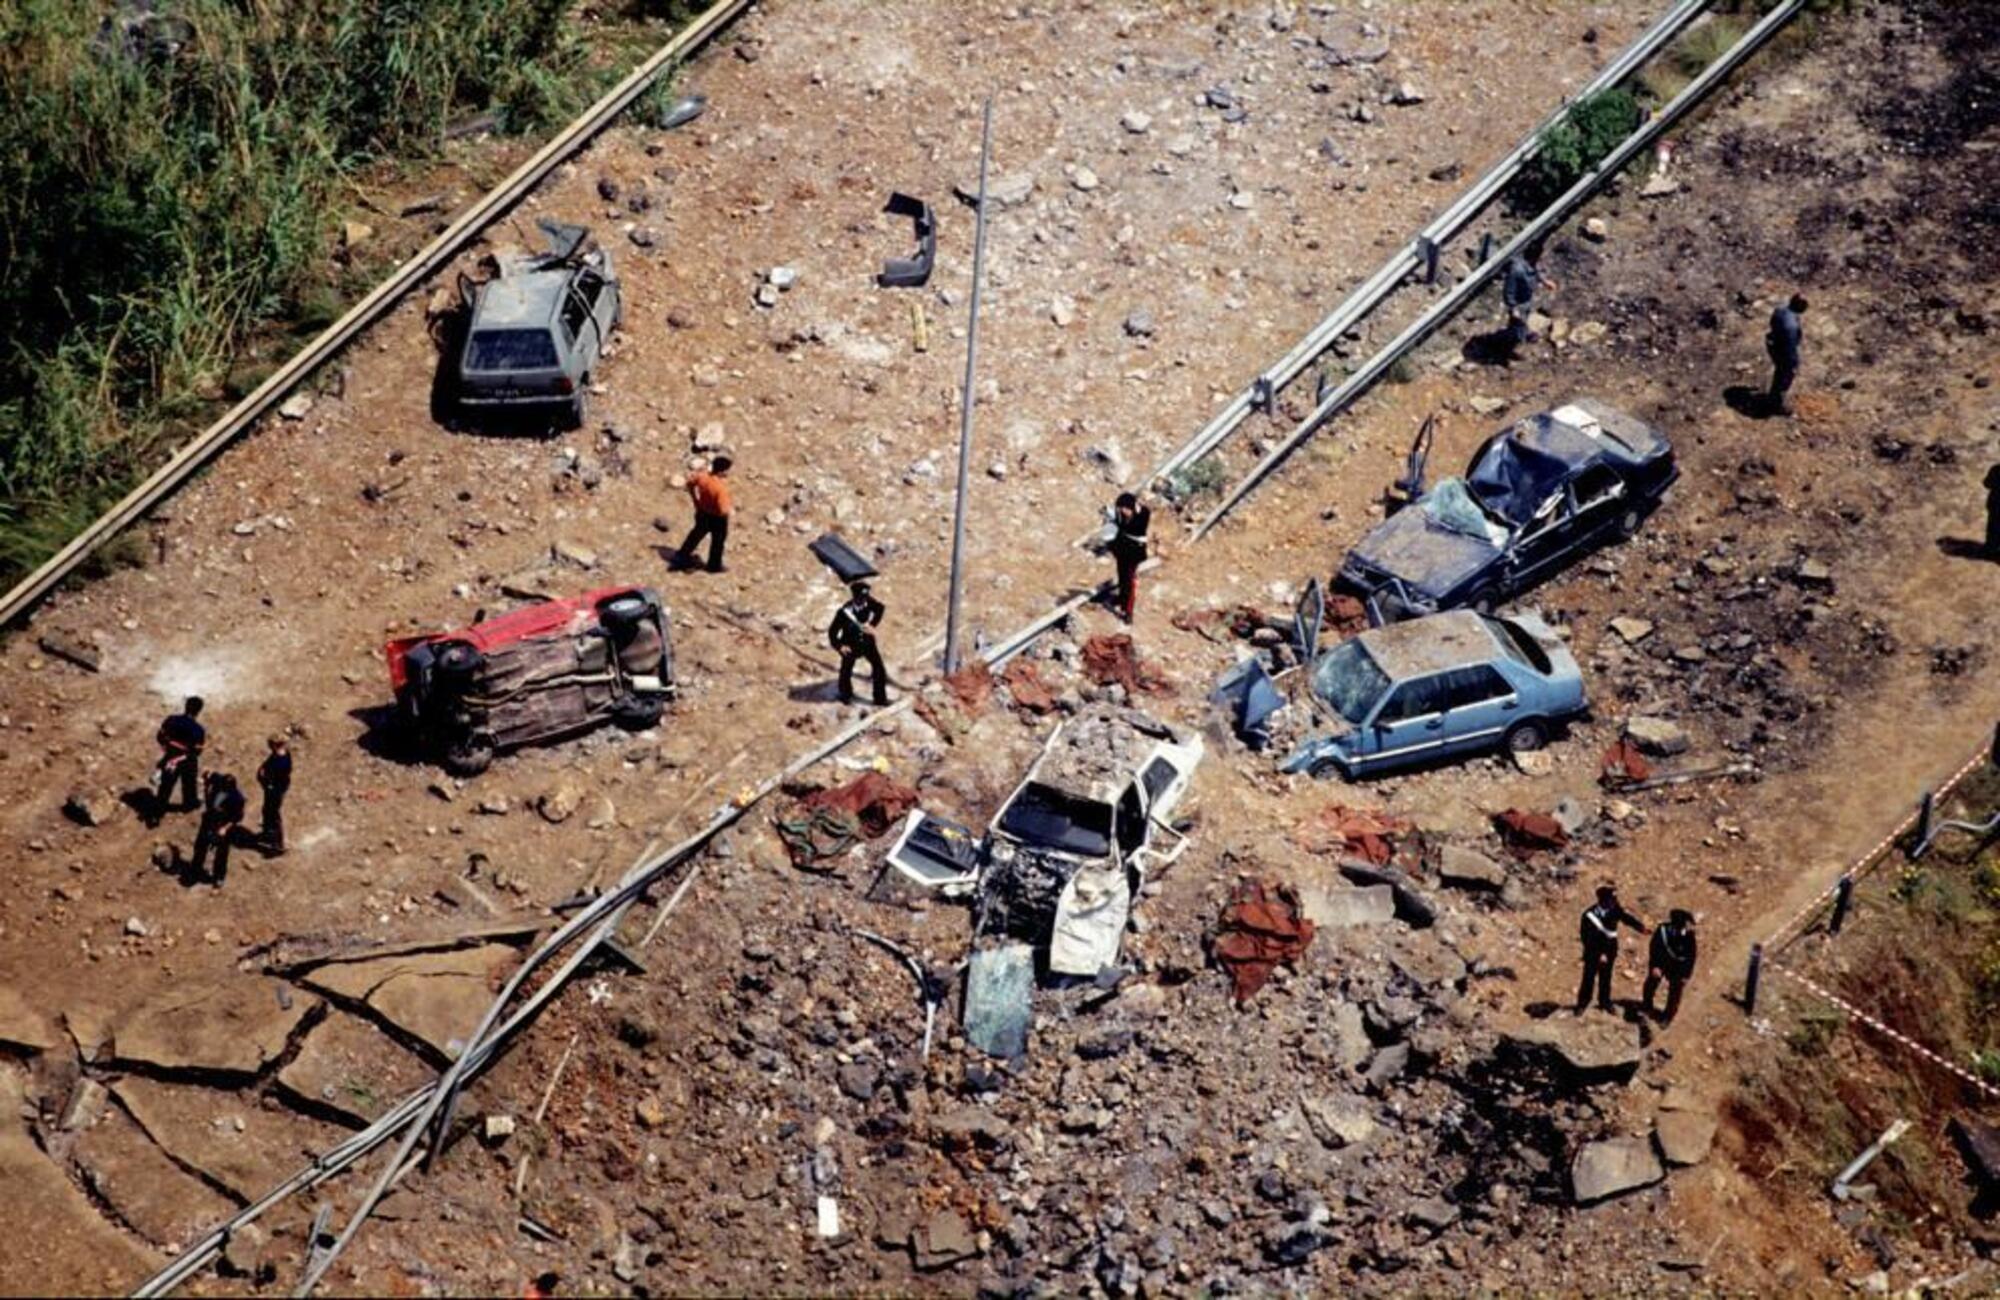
(1528, 833)
(876, 802)
(1027, 687)
(1261, 927)
(971, 686)
(1364, 833)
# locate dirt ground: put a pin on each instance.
(674, 1130)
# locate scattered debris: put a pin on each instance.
(1261, 928)
(1111, 658)
(1365, 833)
(1529, 833)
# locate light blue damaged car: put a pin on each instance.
(1437, 687)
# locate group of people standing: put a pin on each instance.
(1670, 955)
(182, 740)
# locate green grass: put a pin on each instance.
(169, 191)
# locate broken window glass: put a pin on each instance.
(1045, 817)
(1452, 506)
(511, 350)
(1349, 681)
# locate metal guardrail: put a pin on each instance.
(1415, 255)
(204, 447)
(1463, 292)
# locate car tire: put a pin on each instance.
(1324, 769)
(638, 713)
(470, 756)
(1526, 736)
(1482, 601)
(1628, 522)
(623, 613)
(456, 659)
(579, 407)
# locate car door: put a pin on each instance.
(1597, 499)
(580, 334)
(1480, 705)
(1541, 543)
(1409, 725)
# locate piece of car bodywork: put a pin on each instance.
(999, 984)
(913, 271)
(936, 853)
(1536, 495)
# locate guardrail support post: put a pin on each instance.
(1263, 393)
(1920, 837)
(1994, 757)
(1750, 979)
(1428, 249)
(1843, 897)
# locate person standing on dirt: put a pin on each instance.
(1599, 932)
(221, 814)
(181, 739)
(1993, 513)
(274, 778)
(1670, 957)
(1782, 342)
(1519, 284)
(852, 636)
(709, 490)
(1131, 519)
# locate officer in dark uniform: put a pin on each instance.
(274, 778)
(852, 635)
(221, 814)
(1993, 513)
(1598, 930)
(1130, 521)
(1782, 342)
(1518, 287)
(1670, 957)
(180, 739)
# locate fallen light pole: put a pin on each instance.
(951, 657)
(1841, 1185)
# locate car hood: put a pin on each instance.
(1431, 559)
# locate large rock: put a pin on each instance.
(1684, 1136)
(1613, 1167)
(236, 1026)
(1004, 191)
(22, 1028)
(1339, 1121)
(1657, 736)
(1340, 906)
(350, 1071)
(233, 1142)
(1470, 869)
(436, 998)
(1585, 1049)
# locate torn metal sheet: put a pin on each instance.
(1090, 921)
(936, 853)
(1250, 697)
(913, 271)
(998, 985)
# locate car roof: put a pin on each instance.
(1583, 430)
(524, 294)
(1431, 644)
(1096, 753)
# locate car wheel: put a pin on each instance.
(638, 714)
(1482, 601)
(1628, 523)
(1526, 737)
(1324, 769)
(578, 408)
(621, 613)
(470, 756)
(458, 659)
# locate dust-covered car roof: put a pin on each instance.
(1099, 750)
(1431, 645)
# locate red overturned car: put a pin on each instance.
(535, 674)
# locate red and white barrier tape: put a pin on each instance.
(1901, 1039)
(1790, 929)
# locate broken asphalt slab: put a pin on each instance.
(1586, 1050)
(233, 1142)
(22, 1028)
(350, 1071)
(435, 998)
(236, 1026)
(72, 1250)
(143, 1186)
(1613, 1167)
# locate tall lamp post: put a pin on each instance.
(951, 650)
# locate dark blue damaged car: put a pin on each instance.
(1537, 495)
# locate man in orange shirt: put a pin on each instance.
(710, 493)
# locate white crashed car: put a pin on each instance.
(1070, 847)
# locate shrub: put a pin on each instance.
(1570, 147)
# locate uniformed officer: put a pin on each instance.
(180, 739)
(274, 778)
(221, 815)
(1671, 958)
(1782, 342)
(1598, 930)
(1521, 281)
(852, 634)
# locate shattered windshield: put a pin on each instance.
(1451, 505)
(1348, 680)
(1044, 817)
